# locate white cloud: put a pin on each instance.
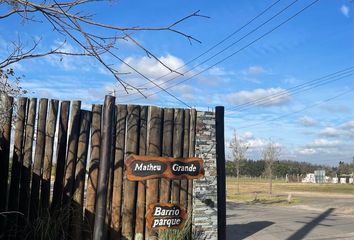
(152, 68)
(265, 97)
(70, 63)
(307, 151)
(247, 135)
(185, 92)
(321, 146)
(330, 132)
(344, 130)
(253, 70)
(307, 121)
(348, 128)
(69, 88)
(324, 143)
(255, 142)
(290, 80)
(219, 71)
(344, 10)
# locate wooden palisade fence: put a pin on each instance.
(67, 164)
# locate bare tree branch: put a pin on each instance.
(67, 20)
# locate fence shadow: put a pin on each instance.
(242, 231)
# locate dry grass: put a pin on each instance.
(257, 191)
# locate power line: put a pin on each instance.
(318, 82)
(230, 45)
(298, 111)
(296, 89)
(218, 43)
(236, 52)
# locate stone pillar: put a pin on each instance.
(205, 189)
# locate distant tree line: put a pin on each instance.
(257, 168)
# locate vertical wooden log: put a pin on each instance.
(220, 169)
(38, 158)
(17, 160)
(129, 198)
(48, 153)
(165, 188)
(141, 194)
(111, 175)
(102, 183)
(61, 153)
(80, 172)
(72, 152)
(192, 126)
(184, 183)
(154, 149)
(177, 150)
(116, 222)
(93, 170)
(27, 159)
(6, 105)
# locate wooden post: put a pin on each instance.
(5, 133)
(154, 149)
(38, 158)
(184, 183)
(220, 168)
(167, 136)
(141, 194)
(27, 159)
(129, 198)
(71, 152)
(93, 170)
(48, 153)
(116, 221)
(61, 153)
(80, 172)
(102, 184)
(177, 149)
(193, 118)
(16, 163)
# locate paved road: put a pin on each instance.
(260, 222)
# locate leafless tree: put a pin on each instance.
(94, 38)
(239, 149)
(91, 38)
(9, 85)
(271, 153)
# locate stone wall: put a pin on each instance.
(205, 189)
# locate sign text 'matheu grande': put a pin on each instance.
(148, 167)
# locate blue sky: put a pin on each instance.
(316, 125)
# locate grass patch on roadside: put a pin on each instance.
(320, 188)
(263, 199)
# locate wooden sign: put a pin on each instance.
(165, 215)
(148, 167)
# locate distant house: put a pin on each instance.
(319, 176)
(346, 178)
(310, 178)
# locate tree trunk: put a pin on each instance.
(237, 181)
(270, 184)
